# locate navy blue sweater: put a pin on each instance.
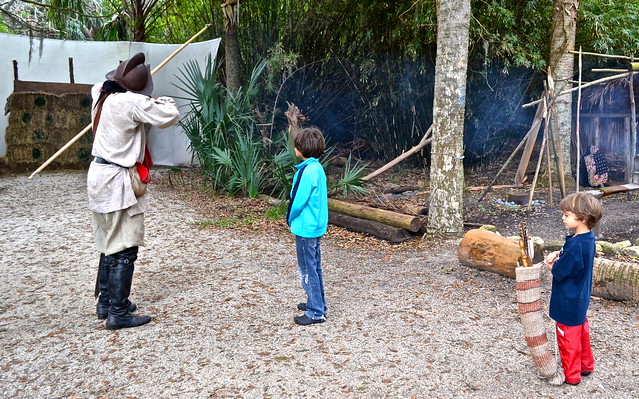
(572, 280)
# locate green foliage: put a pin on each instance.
(220, 126)
(351, 181)
(276, 213)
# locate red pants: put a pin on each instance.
(574, 349)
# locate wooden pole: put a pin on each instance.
(530, 145)
(622, 57)
(423, 142)
(90, 125)
(541, 156)
(71, 74)
(521, 143)
(577, 132)
(594, 82)
(555, 134)
(633, 128)
(549, 169)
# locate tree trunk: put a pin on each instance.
(561, 64)
(232, 67)
(489, 251)
(379, 230)
(445, 218)
(406, 222)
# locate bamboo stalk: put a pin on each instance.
(608, 70)
(90, 125)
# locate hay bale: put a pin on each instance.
(40, 123)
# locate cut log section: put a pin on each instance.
(615, 280)
(379, 230)
(489, 251)
(406, 222)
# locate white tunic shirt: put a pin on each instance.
(120, 138)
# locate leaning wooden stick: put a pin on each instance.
(422, 143)
(90, 125)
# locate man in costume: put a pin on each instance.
(122, 112)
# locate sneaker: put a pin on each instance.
(304, 320)
(302, 306)
(586, 373)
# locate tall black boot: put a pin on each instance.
(102, 288)
(120, 278)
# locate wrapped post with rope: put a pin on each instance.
(528, 277)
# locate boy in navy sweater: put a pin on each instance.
(572, 283)
(308, 218)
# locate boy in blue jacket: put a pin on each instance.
(307, 217)
(572, 283)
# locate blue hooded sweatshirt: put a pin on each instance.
(309, 211)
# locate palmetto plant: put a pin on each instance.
(220, 126)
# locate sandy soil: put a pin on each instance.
(403, 321)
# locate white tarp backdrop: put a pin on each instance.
(47, 60)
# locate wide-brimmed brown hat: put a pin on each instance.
(133, 75)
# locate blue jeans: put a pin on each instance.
(309, 257)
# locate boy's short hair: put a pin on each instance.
(310, 142)
(586, 208)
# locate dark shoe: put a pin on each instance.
(102, 310)
(586, 373)
(304, 320)
(126, 321)
(302, 306)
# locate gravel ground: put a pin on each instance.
(406, 321)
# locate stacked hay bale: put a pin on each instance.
(43, 118)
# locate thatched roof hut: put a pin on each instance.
(606, 122)
(44, 117)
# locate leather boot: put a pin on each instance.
(120, 279)
(102, 288)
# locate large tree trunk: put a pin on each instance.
(232, 67)
(561, 64)
(445, 216)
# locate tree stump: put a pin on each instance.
(489, 251)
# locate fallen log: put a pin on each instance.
(612, 279)
(400, 189)
(615, 280)
(406, 222)
(489, 251)
(379, 230)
